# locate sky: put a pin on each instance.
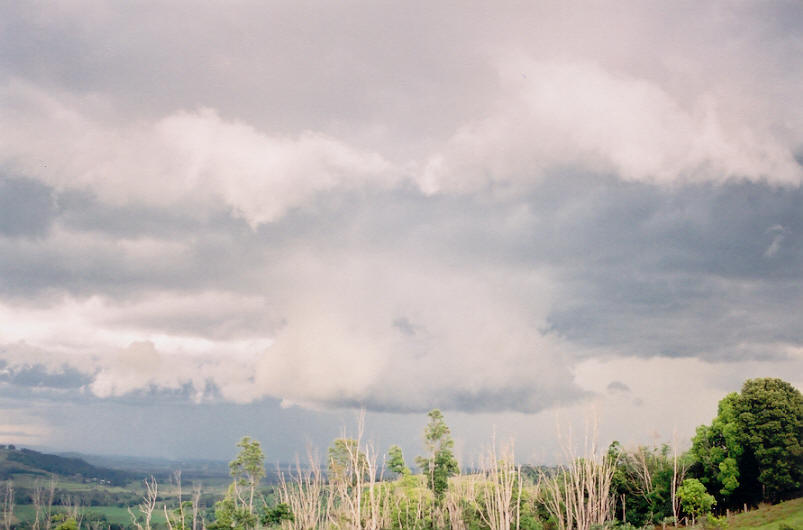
(257, 218)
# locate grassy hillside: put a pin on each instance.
(781, 516)
(29, 462)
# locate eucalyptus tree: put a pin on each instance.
(247, 469)
(440, 463)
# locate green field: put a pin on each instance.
(64, 484)
(113, 514)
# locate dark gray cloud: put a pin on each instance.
(27, 207)
(404, 325)
(649, 271)
(685, 273)
(617, 386)
(38, 376)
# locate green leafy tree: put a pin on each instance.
(67, 524)
(274, 516)
(718, 449)
(694, 498)
(231, 514)
(440, 463)
(641, 484)
(752, 450)
(247, 469)
(396, 461)
(770, 413)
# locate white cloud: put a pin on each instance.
(547, 115)
(556, 114)
(779, 233)
(124, 352)
(475, 342)
(140, 366)
(187, 155)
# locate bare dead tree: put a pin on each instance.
(502, 484)
(462, 489)
(346, 486)
(37, 501)
(643, 471)
(304, 492)
(8, 505)
(147, 506)
(410, 509)
(578, 496)
(99, 525)
(72, 507)
(359, 500)
(346, 491)
(196, 502)
(42, 499)
(679, 470)
(377, 506)
(176, 521)
(637, 465)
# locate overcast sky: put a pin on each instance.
(254, 218)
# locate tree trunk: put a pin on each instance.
(624, 508)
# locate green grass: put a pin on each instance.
(114, 514)
(117, 515)
(789, 513)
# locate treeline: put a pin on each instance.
(750, 453)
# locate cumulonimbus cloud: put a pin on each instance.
(475, 342)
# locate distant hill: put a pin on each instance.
(159, 467)
(27, 461)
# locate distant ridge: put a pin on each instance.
(190, 468)
(14, 461)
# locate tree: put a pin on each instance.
(304, 492)
(231, 514)
(718, 449)
(180, 518)
(396, 461)
(358, 499)
(694, 498)
(247, 470)
(68, 524)
(502, 489)
(752, 450)
(770, 414)
(347, 460)
(440, 463)
(147, 506)
(8, 505)
(642, 482)
(578, 495)
(274, 516)
(42, 500)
